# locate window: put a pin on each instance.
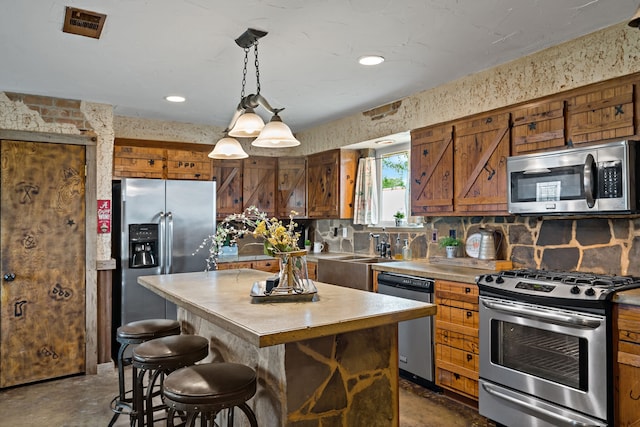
(393, 166)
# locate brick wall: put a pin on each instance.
(54, 110)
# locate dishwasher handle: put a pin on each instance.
(412, 283)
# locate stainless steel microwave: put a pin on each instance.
(597, 178)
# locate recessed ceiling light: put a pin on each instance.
(371, 60)
(175, 98)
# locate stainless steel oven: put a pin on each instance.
(545, 347)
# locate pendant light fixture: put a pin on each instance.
(245, 123)
(228, 148)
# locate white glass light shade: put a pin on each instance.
(248, 125)
(275, 135)
(228, 148)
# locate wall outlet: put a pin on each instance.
(434, 236)
(345, 233)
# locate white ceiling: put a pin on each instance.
(308, 61)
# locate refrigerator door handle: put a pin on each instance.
(162, 225)
(169, 243)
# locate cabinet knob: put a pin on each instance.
(9, 277)
(469, 357)
(469, 314)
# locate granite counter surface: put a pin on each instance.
(631, 297)
(222, 298)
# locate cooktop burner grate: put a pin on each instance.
(573, 278)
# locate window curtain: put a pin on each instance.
(366, 197)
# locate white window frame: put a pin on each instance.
(380, 153)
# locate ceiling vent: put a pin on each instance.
(83, 22)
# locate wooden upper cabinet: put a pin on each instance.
(292, 187)
(606, 112)
(228, 174)
(432, 170)
(482, 145)
(134, 158)
(538, 127)
(259, 184)
(331, 179)
(189, 164)
(138, 162)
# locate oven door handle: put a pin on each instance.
(535, 410)
(565, 319)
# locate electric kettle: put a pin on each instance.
(488, 243)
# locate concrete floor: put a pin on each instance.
(83, 401)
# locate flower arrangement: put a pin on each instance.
(278, 237)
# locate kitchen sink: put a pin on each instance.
(351, 271)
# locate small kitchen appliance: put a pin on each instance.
(545, 347)
(597, 178)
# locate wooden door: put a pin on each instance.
(480, 164)
(432, 170)
(292, 186)
(42, 236)
(259, 184)
(228, 175)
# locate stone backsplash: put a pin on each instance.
(602, 245)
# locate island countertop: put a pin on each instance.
(222, 298)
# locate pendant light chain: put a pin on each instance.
(244, 72)
(257, 64)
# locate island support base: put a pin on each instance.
(348, 379)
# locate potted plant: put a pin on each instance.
(451, 245)
(399, 216)
(307, 245)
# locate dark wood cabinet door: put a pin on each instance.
(292, 186)
(432, 170)
(481, 146)
(189, 164)
(259, 184)
(42, 236)
(228, 174)
(138, 162)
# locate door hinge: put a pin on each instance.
(85, 170)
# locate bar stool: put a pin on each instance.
(130, 334)
(159, 357)
(207, 389)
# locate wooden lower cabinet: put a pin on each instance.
(269, 265)
(312, 268)
(457, 358)
(628, 365)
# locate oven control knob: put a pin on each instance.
(590, 292)
(499, 279)
(488, 278)
(575, 290)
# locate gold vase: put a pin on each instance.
(293, 273)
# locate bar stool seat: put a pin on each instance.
(207, 389)
(159, 357)
(130, 334)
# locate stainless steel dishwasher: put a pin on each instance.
(415, 337)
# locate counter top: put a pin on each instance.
(433, 271)
(222, 298)
(631, 297)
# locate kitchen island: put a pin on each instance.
(331, 361)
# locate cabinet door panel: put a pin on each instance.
(323, 184)
(259, 184)
(604, 113)
(185, 164)
(538, 127)
(292, 186)
(432, 170)
(228, 175)
(482, 146)
(138, 162)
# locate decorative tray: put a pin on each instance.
(258, 293)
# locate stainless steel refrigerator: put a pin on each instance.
(158, 224)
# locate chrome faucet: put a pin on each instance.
(383, 249)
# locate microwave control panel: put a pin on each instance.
(610, 180)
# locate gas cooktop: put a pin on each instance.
(556, 284)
